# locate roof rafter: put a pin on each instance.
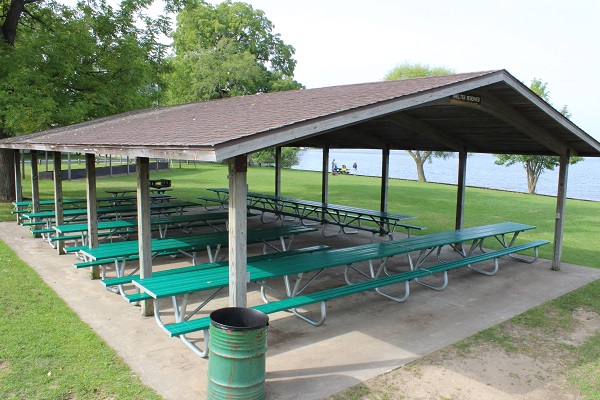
(492, 105)
(368, 139)
(429, 131)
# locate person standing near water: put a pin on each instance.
(333, 166)
(354, 168)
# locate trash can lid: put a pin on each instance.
(238, 319)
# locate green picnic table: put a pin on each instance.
(299, 265)
(183, 222)
(119, 211)
(20, 206)
(191, 244)
(346, 218)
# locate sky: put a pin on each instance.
(344, 42)
(341, 42)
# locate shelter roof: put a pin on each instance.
(486, 112)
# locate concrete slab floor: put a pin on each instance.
(364, 335)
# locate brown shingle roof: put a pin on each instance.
(201, 130)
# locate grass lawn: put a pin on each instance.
(60, 357)
(47, 352)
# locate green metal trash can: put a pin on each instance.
(236, 363)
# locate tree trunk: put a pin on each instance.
(420, 159)
(7, 171)
(534, 170)
(8, 33)
(8, 30)
(421, 172)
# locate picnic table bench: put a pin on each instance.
(260, 271)
(78, 232)
(123, 280)
(159, 183)
(110, 212)
(347, 219)
(190, 245)
(24, 206)
(184, 325)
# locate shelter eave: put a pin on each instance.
(304, 130)
(203, 154)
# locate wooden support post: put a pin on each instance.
(35, 184)
(325, 175)
(92, 207)
(325, 178)
(68, 166)
(23, 176)
(561, 202)
(144, 232)
(460, 189)
(238, 226)
(18, 184)
(58, 197)
(278, 171)
(385, 174)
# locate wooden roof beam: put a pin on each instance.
(494, 106)
(431, 132)
(368, 139)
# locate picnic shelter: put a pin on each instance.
(483, 112)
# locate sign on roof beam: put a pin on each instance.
(431, 132)
(492, 105)
(465, 98)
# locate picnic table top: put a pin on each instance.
(116, 192)
(112, 209)
(191, 242)
(128, 223)
(44, 202)
(190, 282)
(321, 205)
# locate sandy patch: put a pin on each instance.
(534, 367)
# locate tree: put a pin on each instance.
(535, 165)
(225, 51)
(407, 70)
(420, 157)
(289, 156)
(67, 65)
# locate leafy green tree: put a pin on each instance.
(407, 70)
(535, 165)
(227, 50)
(66, 65)
(289, 156)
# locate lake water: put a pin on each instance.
(583, 180)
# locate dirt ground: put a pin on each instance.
(533, 366)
